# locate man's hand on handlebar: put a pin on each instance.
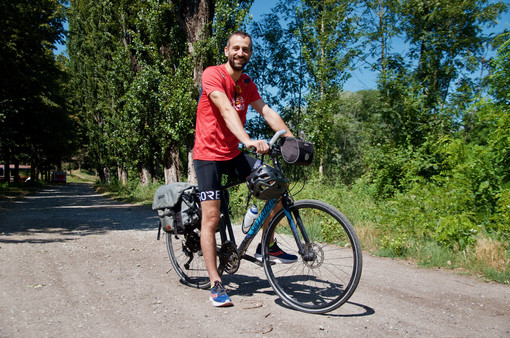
(261, 146)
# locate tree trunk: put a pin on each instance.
(172, 165)
(195, 19)
(33, 172)
(192, 177)
(122, 174)
(7, 169)
(106, 174)
(144, 176)
(321, 167)
(16, 171)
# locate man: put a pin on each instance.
(221, 115)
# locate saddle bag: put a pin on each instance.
(177, 206)
(296, 151)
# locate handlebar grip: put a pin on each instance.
(276, 136)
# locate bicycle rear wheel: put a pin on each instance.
(185, 253)
(327, 273)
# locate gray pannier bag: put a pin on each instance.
(177, 206)
(296, 151)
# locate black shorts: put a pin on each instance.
(209, 173)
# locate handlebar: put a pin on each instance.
(273, 139)
(276, 136)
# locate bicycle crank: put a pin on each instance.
(229, 258)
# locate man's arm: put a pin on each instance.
(271, 117)
(234, 123)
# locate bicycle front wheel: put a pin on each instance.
(328, 268)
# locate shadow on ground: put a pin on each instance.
(70, 210)
(247, 286)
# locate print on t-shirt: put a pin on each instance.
(238, 101)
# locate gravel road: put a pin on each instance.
(74, 263)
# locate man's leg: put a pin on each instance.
(209, 183)
(275, 252)
(210, 219)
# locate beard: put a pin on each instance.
(237, 64)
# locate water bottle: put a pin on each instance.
(249, 218)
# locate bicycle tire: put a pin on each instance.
(180, 249)
(322, 283)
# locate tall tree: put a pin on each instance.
(30, 91)
(446, 37)
(380, 25)
(325, 31)
(279, 71)
(94, 38)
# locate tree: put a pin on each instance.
(499, 82)
(380, 25)
(95, 34)
(325, 31)
(446, 37)
(33, 110)
(279, 71)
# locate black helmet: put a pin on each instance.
(267, 183)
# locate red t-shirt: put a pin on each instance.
(213, 140)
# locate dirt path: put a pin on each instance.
(76, 264)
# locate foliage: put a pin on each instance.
(35, 124)
(380, 24)
(134, 78)
(323, 30)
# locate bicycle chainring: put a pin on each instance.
(229, 258)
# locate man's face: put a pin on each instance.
(238, 52)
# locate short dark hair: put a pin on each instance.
(241, 34)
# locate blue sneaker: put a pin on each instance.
(218, 295)
(276, 254)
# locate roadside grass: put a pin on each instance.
(130, 193)
(19, 190)
(83, 176)
(488, 258)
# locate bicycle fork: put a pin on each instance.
(307, 255)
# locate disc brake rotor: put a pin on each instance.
(316, 254)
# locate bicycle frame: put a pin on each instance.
(226, 225)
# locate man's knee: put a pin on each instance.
(210, 214)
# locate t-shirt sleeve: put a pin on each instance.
(212, 80)
(254, 93)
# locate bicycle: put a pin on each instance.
(329, 263)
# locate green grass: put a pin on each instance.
(19, 190)
(131, 193)
(81, 177)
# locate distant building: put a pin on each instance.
(24, 172)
